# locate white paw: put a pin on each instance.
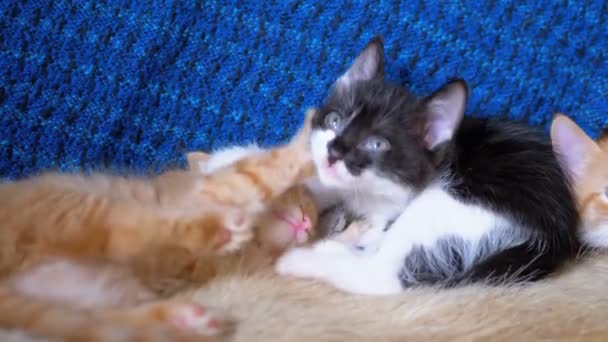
(240, 230)
(331, 246)
(299, 262)
(192, 318)
(370, 241)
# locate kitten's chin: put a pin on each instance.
(330, 181)
(333, 177)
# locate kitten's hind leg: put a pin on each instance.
(187, 317)
(36, 302)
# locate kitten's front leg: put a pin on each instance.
(379, 272)
(219, 232)
(372, 238)
(341, 266)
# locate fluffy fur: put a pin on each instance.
(471, 199)
(570, 305)
(77, 255)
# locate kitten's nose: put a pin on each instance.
(334, 152)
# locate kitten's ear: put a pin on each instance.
(444, 111)
(572, 145)
(196, 160)
(603, 140)
(367, 66)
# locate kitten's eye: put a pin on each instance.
(375, 144)
(605, 193)
(333, 121)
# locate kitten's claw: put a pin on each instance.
(238, 231)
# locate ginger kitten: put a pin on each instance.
(586, 161)
(70, 243)
(291, 218)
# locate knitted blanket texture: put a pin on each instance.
(130, 85)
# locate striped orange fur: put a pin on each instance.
(70, 244)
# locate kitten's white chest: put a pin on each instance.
(379, 201)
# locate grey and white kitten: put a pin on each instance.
(472, 200)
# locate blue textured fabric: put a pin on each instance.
(130, 85)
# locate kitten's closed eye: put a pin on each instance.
(375, 144)
(333, 121)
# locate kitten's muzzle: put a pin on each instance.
(335, 152)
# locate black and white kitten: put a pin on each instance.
(471, 199)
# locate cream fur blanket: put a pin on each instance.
(570, 306)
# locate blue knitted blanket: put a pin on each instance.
(130, 85)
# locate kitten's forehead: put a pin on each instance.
(372, 102)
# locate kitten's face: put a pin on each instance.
(359, 137)
(587, 163)
(370, 133)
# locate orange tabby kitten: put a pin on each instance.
(68, 241)
(291, 218)
(587, 163)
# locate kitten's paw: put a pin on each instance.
(331, 247)
(299, 262)
(194, 319)
(370, 241)
(185, 318)
(238, 231)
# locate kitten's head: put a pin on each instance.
(290, 221)
(370, 131)
(586, 162)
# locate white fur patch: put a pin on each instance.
(333, 262)
(435, 214)
(377, 198)
(324, 196)
(337, 176)
(595, 236)
(431, 216)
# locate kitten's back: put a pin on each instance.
(510, 168)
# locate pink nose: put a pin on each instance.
(305, 224)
